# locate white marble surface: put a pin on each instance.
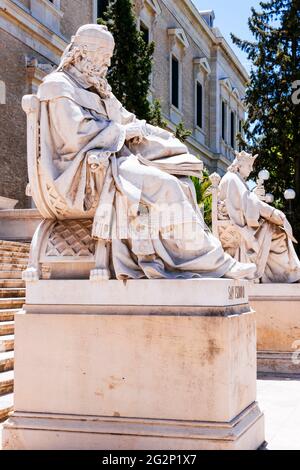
(279, 400)
(251, 229)
(7, 203)
(191, 292)
(191, 370)
(113, 163)
(274, 290)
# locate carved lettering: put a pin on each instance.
(236, 292)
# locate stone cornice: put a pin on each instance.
(151, 4)
(229, 52)
(18, 21)
(201, 64)
(183, 22)
(36, 72)
(226, 83)
(217, 40)
(209, 34)
(233, 91)
(154, 5)
(178, 34)
(50, 6)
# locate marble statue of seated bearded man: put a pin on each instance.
(265, 235)
(132, 177)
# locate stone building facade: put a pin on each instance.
(192, 56)
(195, 75)
(33, 35)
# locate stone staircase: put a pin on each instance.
(13, 260)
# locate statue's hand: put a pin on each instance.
(137, 131)
(277, 217)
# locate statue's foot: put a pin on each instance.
(99, 275)
(30, 275)
(242, 271)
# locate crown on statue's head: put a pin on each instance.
(244, 156)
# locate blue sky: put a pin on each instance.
(231, 17)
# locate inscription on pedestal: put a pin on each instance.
(236, 292)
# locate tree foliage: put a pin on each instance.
(129, 74)
(156, 118)
(181, 132)
(204, 196)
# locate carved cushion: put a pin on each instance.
(229, 236)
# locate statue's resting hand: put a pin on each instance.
(277, 217)
(136, 130)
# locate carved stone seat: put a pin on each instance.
(62, 246)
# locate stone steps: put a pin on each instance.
(12, 266)
(7, 314)
(6, 343)
(13, 260)
(6, 405)
(14, 246)
(12, 283)
(11, 292)
(6, 382)
(13, 254)
(6, 361)
(11, 275)
(12, 302)
(7, 328)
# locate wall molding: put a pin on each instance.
(23, 26)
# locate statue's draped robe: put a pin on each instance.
(151, 216)
(267, 245)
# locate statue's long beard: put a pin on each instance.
(101, 85)
(95, 76)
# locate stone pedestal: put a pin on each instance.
(7, 203)
(19, 224)
(135, 365)
(277, 309)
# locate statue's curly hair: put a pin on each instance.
(72, 56)
(78, 56)
(234, 167)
